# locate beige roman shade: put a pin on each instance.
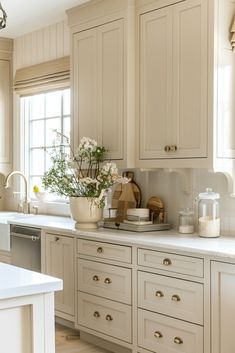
(42, 77)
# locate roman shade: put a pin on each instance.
(42, 77)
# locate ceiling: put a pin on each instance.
(24, 16)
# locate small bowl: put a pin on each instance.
(134, 214)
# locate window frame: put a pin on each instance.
(25, 134)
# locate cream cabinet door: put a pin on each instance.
(5, 100)
(155, 82)
(173, 82)
(222, 307)
(59, 262)
(85, 86)
(189, 124)
(99, 90)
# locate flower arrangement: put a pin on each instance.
(81, 173)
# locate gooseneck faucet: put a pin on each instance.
(6, 185)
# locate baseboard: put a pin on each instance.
(97, 341)
(64, 322)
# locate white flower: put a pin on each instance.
(109, 168)
(87, 144)
(88, 180)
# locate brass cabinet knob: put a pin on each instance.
(96, 314)
(173, 148)
(158, 334)
(167, 262)
(95, 278)
(108, 318)
(100, 250)
(159, 294)
(107, 280)
(57, 238)
(167, 148)
(175, 298)
(178, 340)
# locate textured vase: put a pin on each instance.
(85, 212)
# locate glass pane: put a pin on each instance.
(35, 181)
(37, 162)
(53, 104)
(37, 133)
(51, 126)
(66, 102)
(36, 107)
(48, 159)
(66, 127)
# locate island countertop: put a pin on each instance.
(18, 282)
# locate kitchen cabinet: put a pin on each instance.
(100, 77)
(58, 261)
(6, 48)
(165, 303)
(222, 307)
(172, 83)
(104, 290)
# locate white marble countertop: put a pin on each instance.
(17, 282)
(171, 240)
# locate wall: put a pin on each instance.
(42, 45)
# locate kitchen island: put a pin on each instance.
(27, 310)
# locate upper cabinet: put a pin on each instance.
(6, 48)
(101, 75)
(156, 78)
(172, 84)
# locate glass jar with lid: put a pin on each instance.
(208, 214)
(186, 221)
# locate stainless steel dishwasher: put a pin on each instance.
(26, 247)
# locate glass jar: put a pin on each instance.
(208, 214)
(186, 221)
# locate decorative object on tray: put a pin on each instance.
(157, 209)
(81, 174)
(126, 196)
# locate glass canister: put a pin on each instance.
(186, 221)
(208, 214)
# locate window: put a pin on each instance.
(42, 114)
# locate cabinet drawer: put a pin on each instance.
(187, 265)
(106, 281)
(104, 250)
(106, 316)
(162, 334)
(171, 296)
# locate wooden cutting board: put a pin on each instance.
(126, 196)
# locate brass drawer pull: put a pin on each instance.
(107, 280)
(167, 262)
(57, 238)
(108, 318)
(159, 294)
(167, 148)
(96, 314)
(100, 250)
(175, 298)
(173, 148)
(95, 278)
(178, 340)
(158, 334)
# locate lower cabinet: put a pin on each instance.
(104, 290)
(222, 307)
(162, 334)
(59, 262)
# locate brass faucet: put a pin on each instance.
(25, 202)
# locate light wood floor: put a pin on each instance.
(67, 341)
